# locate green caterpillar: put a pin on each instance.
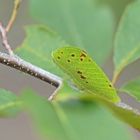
(85, 73)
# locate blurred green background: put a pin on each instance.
(20, 128)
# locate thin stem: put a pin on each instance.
(14, 15)
(16, 62)
(10, 105)
(114, 80)
(4, 39)
(26, 67)
(116, 77)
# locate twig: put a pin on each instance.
(4, 39)
(16, 62)
(116, 76)
(14, 14)
(4, 31)
(26, 67)
(19, 64)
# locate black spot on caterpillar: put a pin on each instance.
(82, 77)
(79, 72)
(72, 55)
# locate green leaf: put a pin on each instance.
(74, 120)
(85, 72)
(125, 112)
(121, 110)
(132, 88)
(80, 22)
(127, 40)
(38, 45)
(9, 104)
(117, 6)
